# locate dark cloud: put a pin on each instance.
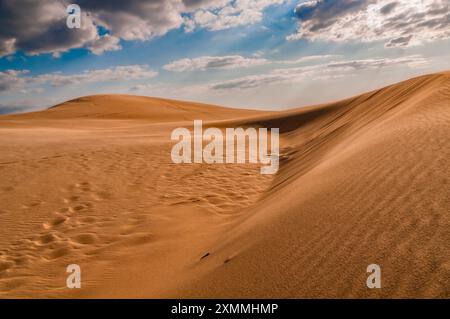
(399, 42)
(327, 9)
(195, 4)
(388, 8)
(400, 23)
(39, 26)
(135, 19)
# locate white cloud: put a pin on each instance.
(322, 71)
(7, 46)
(213, 63)
(309, 58)
(18, 80)
(229, 14)
(397, 22)
(105, 43)
(12, 79)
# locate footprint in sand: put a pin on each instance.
(84, 186)
(47, 238)
(59, 220)
(7, 189)
(57, 253)
(33, 203)
(85, 239)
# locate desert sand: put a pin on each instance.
(361, 181)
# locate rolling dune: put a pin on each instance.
(361, 181)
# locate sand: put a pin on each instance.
(361, 181)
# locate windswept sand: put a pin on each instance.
(365, 180)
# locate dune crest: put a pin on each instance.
(361, 181)
(130, 107)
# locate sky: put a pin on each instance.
(261, 54)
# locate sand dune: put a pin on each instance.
(122, 107)
(365, 180)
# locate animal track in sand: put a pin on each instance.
(79, 226)
(68, 232)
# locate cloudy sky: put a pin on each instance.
(270, 54)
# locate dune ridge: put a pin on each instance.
(363, 180)
(126, 107)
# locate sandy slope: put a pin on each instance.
(365, 180)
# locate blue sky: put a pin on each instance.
(254, 53)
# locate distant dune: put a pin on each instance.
(362, 181)
(121, 107)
